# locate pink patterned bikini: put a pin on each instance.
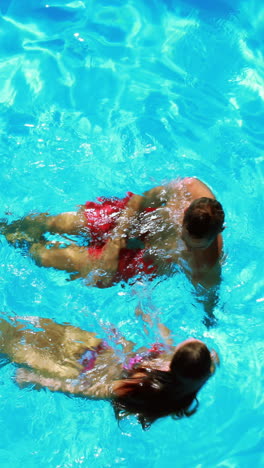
(153, 352)
(89, 356)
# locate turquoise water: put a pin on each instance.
(98, 98)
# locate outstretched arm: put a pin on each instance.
(119, 339)
(165, 332)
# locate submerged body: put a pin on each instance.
(65, 358)
(140, 234)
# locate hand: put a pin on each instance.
(145, 317)
(210, 321)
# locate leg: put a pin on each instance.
(31, 228)
(72, 223)
(6, 335)
(49, 347)
(73, 259)
(103, 263)
(12, 334)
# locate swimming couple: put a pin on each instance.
(179, 223)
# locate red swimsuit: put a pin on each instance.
(101, 218)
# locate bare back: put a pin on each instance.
(163, 228)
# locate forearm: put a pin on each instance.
(165, 332)
(208, 295)
(119, 339)
(210, 300)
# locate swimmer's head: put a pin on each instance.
(193, 364)
(203, 221)
(152, 393)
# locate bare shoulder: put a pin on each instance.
(197, 188)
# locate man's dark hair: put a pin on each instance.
(204, 218)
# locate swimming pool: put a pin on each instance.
(98, 98)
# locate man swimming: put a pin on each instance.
(178, 223)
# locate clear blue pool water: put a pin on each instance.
(100, 97)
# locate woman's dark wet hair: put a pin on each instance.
(204, 218)
(151, 393)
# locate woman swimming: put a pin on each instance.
(152, 382)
